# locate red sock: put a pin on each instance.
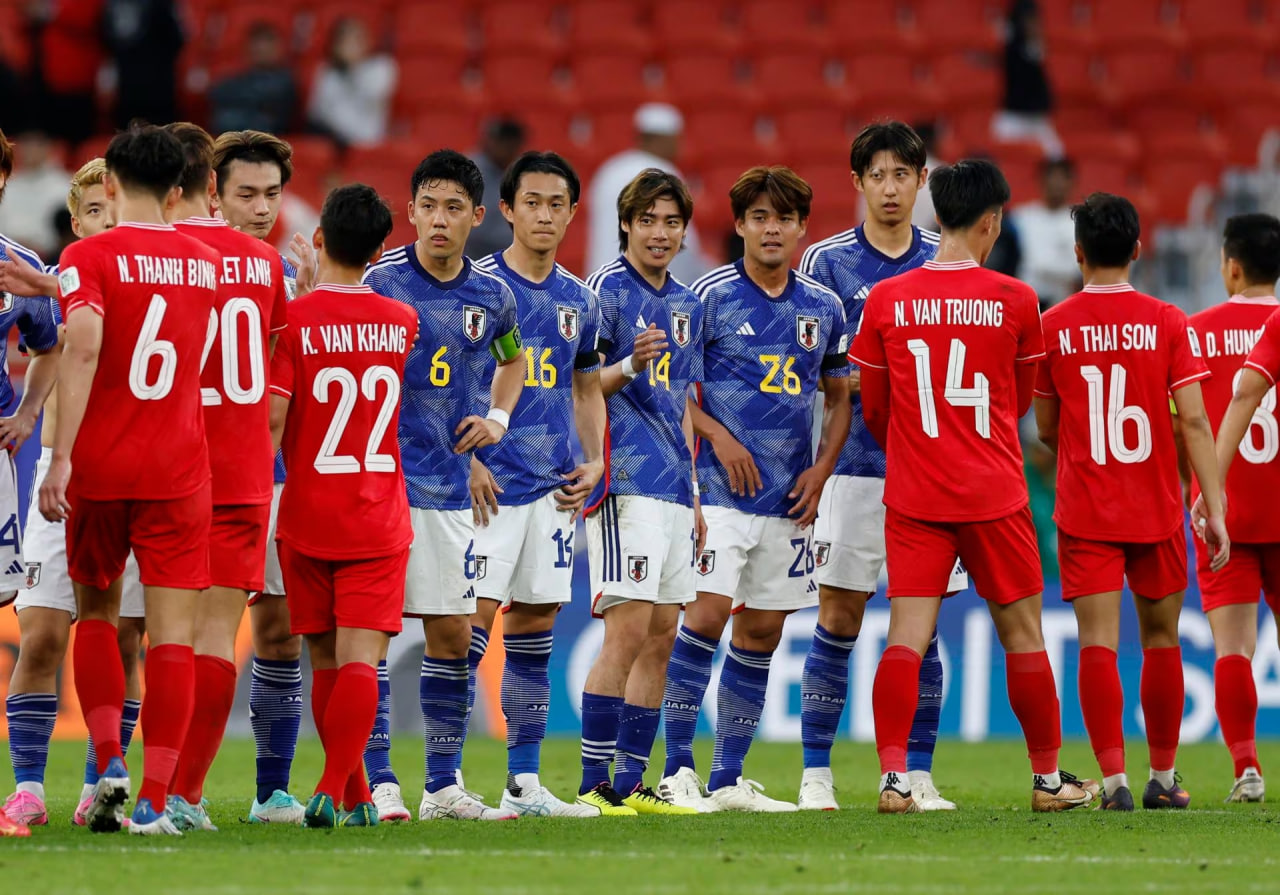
(100, 686)
(1102, 704)
(322, 681)
(357, 790)
(348, 721)
(166, 717)
(215, 691)
(1162, 701)
(1033, 696)
(893, 702)
(1236, 697)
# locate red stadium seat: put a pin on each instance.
(882, 25)
(611, 130)
(702, 80)
(968, 80)
(1159, 120)
(877, 76)
(603, 25)
(1075, 75)
(950, 25)
(721, 134)
(1142, 70)
(512, 77)
(1119, 146)
(423, 75)
(1068, 25)
(1087, 118)
(1172, 181)
(1244, 124)
(795, 26)
(1117, 22)
(517, 25)
(692, 27)
(816, 132)
(1229, 23)
(1109, 175)
(781, 77)
(603, 79)
(431, 27)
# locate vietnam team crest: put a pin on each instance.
(474, 322)
(706, 562)
(821, 552)
(808, 329)
(680, 328)
(567, 322)
(637, 568)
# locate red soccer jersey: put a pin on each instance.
(250, 309)
(951, 336)
(1114, 356)
(340, 363)
(1232, 332)
(142, 437)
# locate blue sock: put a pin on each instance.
(377, 752)
(688, 673)
(599, 738)
(924, 726)
(739, 703)
(479, 646)
(31, 717)
(275, 713)
(442, 693)
(824, 688)
(128, 721)
(637, 730)
(526, 693)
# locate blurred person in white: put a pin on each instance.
(34, 194)
(1046, 234)
(351, 99)
(658, 128)
(1028, 98)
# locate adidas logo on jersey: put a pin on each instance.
(746, 330)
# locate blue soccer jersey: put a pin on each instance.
(849, 266)
(448, 369)
(559, 322)
(762, 360)
(291, 291)
(36, 319)
(647, 452)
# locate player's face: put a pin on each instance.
(94, 214)
(890, 186)
(250, 198)
(655, 236)
(542, 211)
(444, 216)
(769, 236)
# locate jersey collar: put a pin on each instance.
(411, 251)
(636, 275)
(1109, 290)
(786, 292)
(526, 283)
(1252, 300)
(880, 256)
(968, 264)
(138, 225)
(201, 221)
(360, 289)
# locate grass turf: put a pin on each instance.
(993, 844)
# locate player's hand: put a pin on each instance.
(484, 492)
(304, 258)
(582, 480)
(648, 345)
(20, 278)
(806, 493)
(477, 432)
(1215, 535)
(53, 491)
(699, 527)
(16, 429)
(744, 477)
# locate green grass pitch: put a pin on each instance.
(993, 844)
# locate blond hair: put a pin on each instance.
(91, 173)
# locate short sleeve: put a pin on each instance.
(278, 303)
(1265, 356)
(1044, 381)
(868, 340)
(1030, 332)
(607, 305)
(696, 345)
(38, 323)
(282, 363)
(588, 357)
(79, 280)
(835, 359)
(505, 343)
(1186, 360)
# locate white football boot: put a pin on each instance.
(925, 794)
(747, 795)
(453, 803)
(1248, 787)
(685, 788)
(390, 804)
(818, 791)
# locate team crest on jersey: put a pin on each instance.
(706, 562)
(567, 322)
(807, 331)
(33, 574)
(637, 568)
(821, 552)
(6, 302)
(474, 321)
(680, 328)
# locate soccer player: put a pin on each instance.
(1242, 354)
(770, 335)
(344, 525)
(645, 525)
(1102, 404)
(47, 607)
(467, 315)
(952, 349)
(888, 164)
(252, 169)
(138, 301)
(250, 313)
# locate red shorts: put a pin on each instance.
(1001, 555)
(238, 545)
(325, 594)
(1253, 568)
(169, 538)
(1097, 567)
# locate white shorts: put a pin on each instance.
(525, 554)
(47, 584)
(640, 548)
(442, 563)
(761, 562)
(273, 579)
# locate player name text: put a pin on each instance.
(254, 271)
(348, 338)
(1110, 337)
(155, 271)
(949, 312)
(1234, 342)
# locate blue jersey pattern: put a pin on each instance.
(37, 319)
(647, 451)
(849, 266)
(291, 292)
(762, 359)
(559, 322)
(447, 369)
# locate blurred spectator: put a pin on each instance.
(351, 100)
(145, 38)
(658, 128)
(34, 193)
(66, 43)
(262, 97)
(66, 234)
(503, 141)
(1027, 97)
(1048, 235)
(923, 215)
(1006, 254)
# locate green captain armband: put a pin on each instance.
(507, 348)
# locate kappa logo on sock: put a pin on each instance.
(892, 779)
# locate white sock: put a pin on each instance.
(919, 778)
(1114, 782)
(1048, 781)
(897, 781)
(1164, 778)
(31, 786)
(527, 782)
(816, 774)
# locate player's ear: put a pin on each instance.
(75, 223)
(172, 199)
(317, 240)
(739, 226)
(923, 179)
(507, 213)
(478, 219)
(377, 254)
(213, 187)
(804, 228)
(1137, 250)
(1079, 256)
(856, 178)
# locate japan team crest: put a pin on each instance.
(33, 574)
(821, 552)
(808, 330)
(637, 568)
(680, 328)
(567, 322)
(706, 562)
(6, 302)
(482, 566)
(474, 322)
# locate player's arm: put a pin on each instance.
(837, 414)
(699, 523)
(476, 431)
(875, 403)
(1048, 413)
(1025, 379)
(76, 369)
(589, 419)
(1180, 448)
(19, 277)
(744, 476)
(279, 413)
(649, 345)
(42, 375)
(1197, 435)
(1251, 387)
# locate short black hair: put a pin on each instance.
(451, 166)
(894, 137)
(962, 193)
(1253, 240)
(1107, 229)
(533, 162)
(1064, 165)
(146, 157)
(355, 223)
